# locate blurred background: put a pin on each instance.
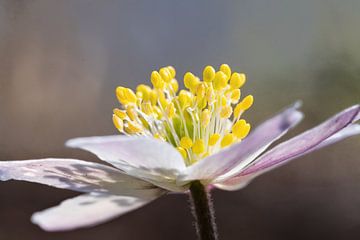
(60, 62)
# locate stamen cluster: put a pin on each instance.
(198, 121)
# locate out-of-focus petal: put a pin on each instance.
(146, 158)
(77, 175)
(85, 210)
(241, 154)
(305, 142)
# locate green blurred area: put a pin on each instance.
(60, 62)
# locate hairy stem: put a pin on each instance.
(203, 212)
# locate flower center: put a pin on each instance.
(198, 121)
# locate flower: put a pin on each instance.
(170, 139)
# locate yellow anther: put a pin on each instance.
(156, 80)
(238, 110)
(120, 113)
(191, 81)
(185, 98)
(235, 95)
(226, 112)
(227, 140)
(199, 146)
(125, 95)
(182, 151)
(130, 95)
(172, 71)
(244, 131)
(220, 80)
(210, 95)
(188, 77)
(174, 85)
(200, 90)
(213, 139)
(247, 102)
(120, 94)
(157, 136)
(226, 69)
(158, 112)
(153, 97)
(147, 108)
(165, 74)
(223, 100)
(237, 80)
(131, 112)
(118, 123)
(205, 117)
(162, 99)
(240, 129)
(208, 74)
(144, 90)
(201, 102)
(186, 142)
(170, 110)
(133, 127)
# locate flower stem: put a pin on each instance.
(203, 212)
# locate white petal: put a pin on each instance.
(77, 175)
(305, 142)
(239, 155)
(146, 158)
(242, 179)
(85, 210)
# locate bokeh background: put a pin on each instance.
(60, 62)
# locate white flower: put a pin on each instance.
(143, 168)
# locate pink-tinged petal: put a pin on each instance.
(85, 211)
(139, 152)
(305, 142)
(240, 181)
(77, 175)
(241, 154)
(235, 183)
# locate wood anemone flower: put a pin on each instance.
(170, 141)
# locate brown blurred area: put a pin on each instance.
(60, 62)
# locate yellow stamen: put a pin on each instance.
(165, 74)
(226, 112)
(190, 81)
(120, 113)
(247, 102)
(175, 85)
(227, 140)
(205, 117)
(196, 121)
(220, 80)
(186, 142)
(199, 146)
(237, 80)
(125, 96)
(144, 90)
(156, 80)
(170, 110)
(172, 71)
(226, 69)
(213, 139)
(133, 128)
(235, 95)
(118, 123)
(241, 129)
(208, 74)
(182, 151)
